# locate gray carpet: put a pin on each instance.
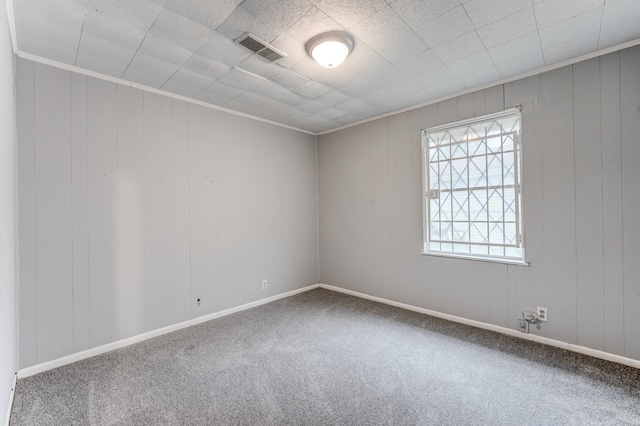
(324, 358)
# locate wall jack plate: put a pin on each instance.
(523, 325)
(264, 284)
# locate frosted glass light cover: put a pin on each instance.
(330, 53)
(330, 49)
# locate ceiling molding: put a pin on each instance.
(548, 68)
(122, 82)
(11, 18)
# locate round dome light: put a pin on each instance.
(330, 49)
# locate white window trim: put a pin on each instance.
(425, 189)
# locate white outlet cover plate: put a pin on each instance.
(542, 314)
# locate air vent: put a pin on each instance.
(270, 54)
(258, 46)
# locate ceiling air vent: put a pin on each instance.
(258, 46)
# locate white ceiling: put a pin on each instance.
(407, 52)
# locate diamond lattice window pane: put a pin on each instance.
(474, 168)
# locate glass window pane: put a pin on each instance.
(475, 167)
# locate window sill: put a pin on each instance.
(479, 259)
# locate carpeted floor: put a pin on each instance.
(325, 358)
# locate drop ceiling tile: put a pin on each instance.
(187, 83)
(293, 48)
(570, 29)
(63, 13)
(334, 97)
(279, 15)
(446, 27)
(313, 90)
(312, 106)
(138, 13)
(179, 30)
(361, 87)
(350, 12)
(164, 49)
(465, 45)
(246, 102)
(112, 30)
(353, 105)
(149, 71)
(314, 119)
(363, 60)
(381, 96)
(619, 11)
(291, 99)
(210, 13)
(418, 12)
(408, 101)
(405, 46)
(332, 113)
(433, 77)
(312, 23)
(290, 115)
(480, 77)
(419, 63)
(514, 49)
(48, 39)
(311, 69)
(387, 76)
(349, 119)
(260, 66)
(272, 108)
(223, 49)
(243, 80)
(509, 28)
(339, 79)
(218, 93)
(100, 55)
(528, 62)
(242, 21)
(620, 33)
(485, 12)
(290, 79)
(571, 49)
(445, 89)
(471, 64)
(201, 64)
(549, 12)
(381, 27)
(271, 90)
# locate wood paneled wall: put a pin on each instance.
(133, 205)
(581, 185)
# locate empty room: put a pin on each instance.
(319, 212)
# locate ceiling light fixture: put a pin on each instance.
(330, 49)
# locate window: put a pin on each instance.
(472, 181)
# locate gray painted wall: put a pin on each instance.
(133, 205)
(8, 337)
(581, 150)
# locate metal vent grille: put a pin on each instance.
(270, 54)
(258, 46)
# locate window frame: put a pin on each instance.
(426, 214)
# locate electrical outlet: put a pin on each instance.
(264, 284)
(542, 314)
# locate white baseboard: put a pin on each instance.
(498, 329)
(49, 365)
(13, 392)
